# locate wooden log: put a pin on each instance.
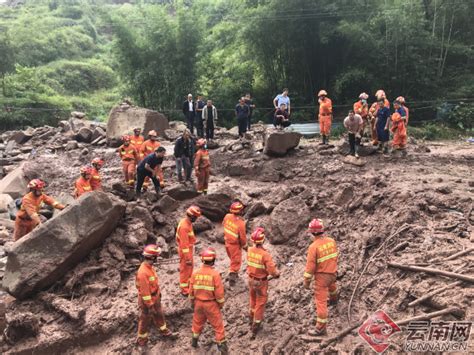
(433, 293)
(461, 253)
(281, 344)
(400, 246)
(432, 271)
(63, 306)
(451, 310)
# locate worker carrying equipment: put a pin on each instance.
(325, 115)
(96, 180)
(321, 264)
(149, 297)
(83, 183)
(185, 239)
(206, 293)
(129, 157)
(27, 218)
(235, 238)
(259, 266)
(202, 166)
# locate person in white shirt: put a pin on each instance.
(354, 125)
(189, 111)
(282, 98)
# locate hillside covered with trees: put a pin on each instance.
(59, 56)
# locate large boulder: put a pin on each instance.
(288, 219)
(123, 119)
(214, 206)
(5, 200)
(44, 256)
(14, 184)
(181, 192)
(84, 135)
(278, 143)
(21, 137)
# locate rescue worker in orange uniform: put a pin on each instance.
(185, 239)
(149, 147)
(202, 166)
(380, 94)
(260, 265)
(96, 180)
(361, 108)
(398, 127)
(129, 157)
(149, 297)
(83, 183)
(401, 100)
(325, 115)
(321, 264)
(136, 140)
(235, 237)
(27, 217)
(206, 293)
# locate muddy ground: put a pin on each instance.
(431, 191)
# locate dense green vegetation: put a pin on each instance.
(86, 55)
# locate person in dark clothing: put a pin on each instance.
(381, 126)
(281, 119)
(242, 112)
(147, 168)
(209, 118)
(250, 104)
(199, 122)
(189, 111)
(183, 153)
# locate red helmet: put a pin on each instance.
(208, 254)
(151, 250)
(97, 161)
(322, 93)
(201, 142)
(86, 170)
(236, 207)
(258, 236)
(316, 226)
(401, 99)
(36, 184)
(194, 211)
(126, 138)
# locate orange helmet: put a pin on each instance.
(258, 236)
(86, 170)
(201, 142)
(236, 207)
(151, 250)
(208, 254)
(401, 99)
(97, 161)
(194, 211)
(380, 94)
(152, 133)
(364, 96)
(396, 117)
(322, 93)
(316, 226)
(36, 184)
(126, 138)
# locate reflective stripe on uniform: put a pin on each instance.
(327, 257)
(231, 232)
(152, 278)
(333, 292)
(257, 321)
(203, 287)
(220, 300)
(146, 298)
(308, 275)
(185, 250)
(196, 335)
(184, 284)
(144, 335)
(321, 320)
(87, 188)
(258, 266)
(163, 327)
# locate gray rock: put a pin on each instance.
(214, 206)
(172, 134)
(98, 134)
(45, 255)
(181, 192)
(71, 145)
(21, 137)
(202, 224)
(257, 209)
(64, 126)
(5, 200)
(279, 143)
(14, 184)
(84, 135)
(167, 204)
(287, 220)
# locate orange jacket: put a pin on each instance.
(234, 230)
(148, 147)
(322, 257)
(206, 285)
(325, 107)
(398, 126)
(31, 204)
(201, 159)
(136, 142)
(96, 180)
(361, 109)
(127, 152)
(185, 237)
(82, 186)
(147, 284)
(260, 263)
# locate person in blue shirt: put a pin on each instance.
(381, 126)
(147, 167)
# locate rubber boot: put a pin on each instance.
(168, 334)
(317, 331)
(194, 342)
(232, 278)
(222, 347)
(323, 142)
(255, 329)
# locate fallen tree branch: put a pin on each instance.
(461, 253)
(429, 270)
(281, 345)
(451, 310)
(433, 293)
(398, 231)
(399, 246)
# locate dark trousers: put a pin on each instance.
(280, 122)
(210, 130)
(242, 124)
(249, 122)
(353, 143)
(141, 174)
(190, 121)
(183, 163)
(199, 126)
